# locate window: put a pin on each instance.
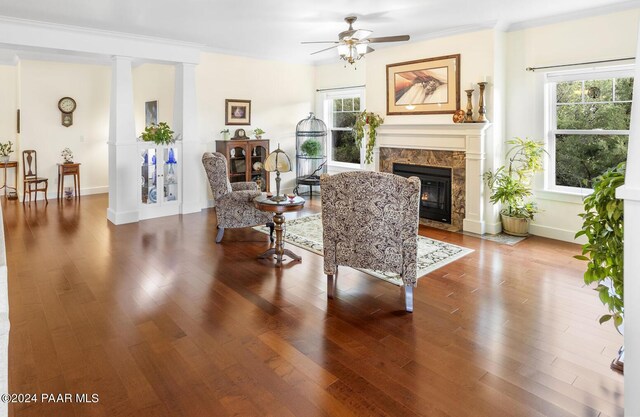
(589, 118)
(341, 109)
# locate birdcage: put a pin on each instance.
(311, 152)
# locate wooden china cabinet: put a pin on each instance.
(245, 159)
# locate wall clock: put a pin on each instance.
(67, 106)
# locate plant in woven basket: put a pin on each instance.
(160, 134)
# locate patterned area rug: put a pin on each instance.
(306, 232)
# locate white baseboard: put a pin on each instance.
(53, 195)
(122, 217)
(555, 233)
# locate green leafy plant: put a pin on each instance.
(372, 120)
(6, 148)
(258, 132)
(160, 134)
(511, 185)
(311, 147)
(603, 226)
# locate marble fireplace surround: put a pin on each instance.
(458, 146)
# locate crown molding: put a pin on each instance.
(43, 36)
(575, 15)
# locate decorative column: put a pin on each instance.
(185, 121)
(124, 164)
(630, 192)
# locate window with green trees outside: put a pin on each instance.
(589, 119)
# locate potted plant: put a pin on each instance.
(311, 147)
(67, 156)
(511, 185)
(371, 121)
(225, 134)
(603, 226)
(160, 134)
(258, 132)
(5, 151)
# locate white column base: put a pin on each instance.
(123, 217)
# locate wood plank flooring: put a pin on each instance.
(158, 320)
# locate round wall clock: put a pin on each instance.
(67, 105)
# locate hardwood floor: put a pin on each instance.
(158, 320)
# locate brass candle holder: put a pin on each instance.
(481, 107)
(469, 117)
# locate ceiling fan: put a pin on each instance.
(353, 44)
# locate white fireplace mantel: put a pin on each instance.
(464, 137)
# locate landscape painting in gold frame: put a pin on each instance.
(425, 86)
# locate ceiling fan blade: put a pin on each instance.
(320, 42)
(398, 38)
(326, 49)
(361, 34)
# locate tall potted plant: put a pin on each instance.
(511, 185)
(603, 226)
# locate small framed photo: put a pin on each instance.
(237, 112)
(151, 113)
(425, 86)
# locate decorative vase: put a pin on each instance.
(258, 137)
(4, 159)
(515, 226)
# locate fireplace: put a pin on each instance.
(435, 193)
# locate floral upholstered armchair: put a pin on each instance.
(370, 220)
(234, 201)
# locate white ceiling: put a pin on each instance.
(274, 29)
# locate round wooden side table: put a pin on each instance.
(278, 208)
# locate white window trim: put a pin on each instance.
(551, 80)
(327, 113)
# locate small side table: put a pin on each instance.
(68, 169)
(278, 209)
(14, 165)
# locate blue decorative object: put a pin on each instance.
(153, 194)
(172, 157)
(146, 158)
(153, 159)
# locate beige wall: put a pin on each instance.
(153, 82)
(281, 95)
(42, 84)
(590, 39)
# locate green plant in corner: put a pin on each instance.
(6, 148)
(603, 226)
(311, 147)
(372, 120)
(160, 134)
(511, 185)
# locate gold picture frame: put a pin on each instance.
(237, 112)
(424, 86)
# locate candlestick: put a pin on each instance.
(469, 116)
(481, 108)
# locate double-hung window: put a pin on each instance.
(341, 108)
(589, 114)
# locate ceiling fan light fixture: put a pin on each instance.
(343, 50)
(361, 48)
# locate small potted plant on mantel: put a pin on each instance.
(5, 151)
(511, 185)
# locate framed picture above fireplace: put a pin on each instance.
(425, 86)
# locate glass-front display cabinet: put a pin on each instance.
(245, 160)
(160, 179)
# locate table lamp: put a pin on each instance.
(278, 161)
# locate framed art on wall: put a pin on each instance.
(425, 86)
(237, 112)
(151, 113)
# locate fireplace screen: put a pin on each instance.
(435, 195)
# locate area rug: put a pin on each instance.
(306, 232)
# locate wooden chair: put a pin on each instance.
(31, 182)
